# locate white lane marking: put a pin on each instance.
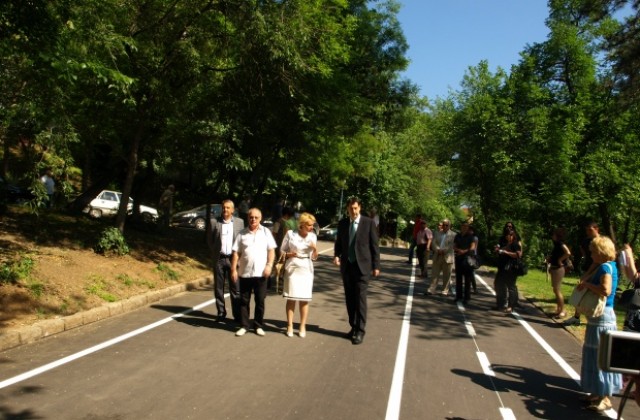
(554, 354)
(484, 362)
(611, 413)
(470, 330)
(108, 343)
(507, 414)
(98, 347)
(395, 393)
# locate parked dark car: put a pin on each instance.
(10, 193)
(195, 217)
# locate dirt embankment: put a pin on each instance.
(48, 267)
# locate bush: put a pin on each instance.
(112, 241)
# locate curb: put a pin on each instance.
(45, 328)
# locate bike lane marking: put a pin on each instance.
(611, 413)
(98, 347)
(60, 362)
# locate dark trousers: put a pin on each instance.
(355, 292)
(222, 275)
(412, 248)
(258, 286)
(506, 289)
(464, 273)
(421, 250)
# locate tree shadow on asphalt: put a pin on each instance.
(437, 316)
(27, 414)
(545, 396)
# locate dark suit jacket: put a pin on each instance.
(367, 251)
(214, 239)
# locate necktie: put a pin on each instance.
(352, 242)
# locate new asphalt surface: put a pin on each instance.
(422, 358)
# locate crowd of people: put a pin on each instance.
(244, 257)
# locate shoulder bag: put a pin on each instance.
(630, 298)
(588, 303)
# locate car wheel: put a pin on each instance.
(95, 213)
(199, 223)
(146, 217)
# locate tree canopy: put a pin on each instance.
(305, 100)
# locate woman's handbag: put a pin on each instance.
(568, 266)
(280, 272)
(588, 303)
(472, 261)
(518, 266)
(521, 267)
(630, 298)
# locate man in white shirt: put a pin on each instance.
(224, 231)
(49, 186)
(251, 264)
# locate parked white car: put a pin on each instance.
(107, 203)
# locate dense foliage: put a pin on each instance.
(304, 100)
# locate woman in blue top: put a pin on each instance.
(598, 384)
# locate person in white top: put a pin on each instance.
(300, 250)
(251, 264)
(49, 186)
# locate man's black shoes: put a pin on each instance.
(358, 338)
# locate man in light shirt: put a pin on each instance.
(224, 230)
(442, 246)
(251, 265)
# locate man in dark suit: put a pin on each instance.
(356, 252)
(224, 230)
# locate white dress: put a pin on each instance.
(298, 271)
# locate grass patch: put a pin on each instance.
(18, 269)
(536, 287)
(125, 279)
(167, 273)
(99, 287)
(36, 288)
(129, 281)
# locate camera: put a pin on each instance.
(619, 351)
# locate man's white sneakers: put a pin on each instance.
(241, 332)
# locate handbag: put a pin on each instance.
(522, 267)
(280, 272)
(568, 266)
(518, 266)
(630, 298)
(588, 303)
(472, 261)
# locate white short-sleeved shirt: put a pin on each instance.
(252, 249)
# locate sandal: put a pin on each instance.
(600, 405)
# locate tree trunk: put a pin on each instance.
(132, 164)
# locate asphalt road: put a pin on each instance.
(422, 358)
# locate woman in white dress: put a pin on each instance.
(300, 250)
